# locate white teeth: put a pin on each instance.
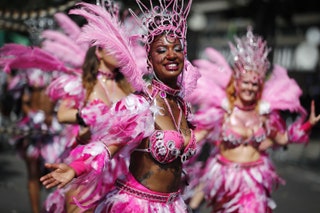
(172, 65)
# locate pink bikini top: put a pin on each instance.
(234, 139)
(166, 146)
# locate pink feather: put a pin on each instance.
(68, 25)
(282, 92)
(16, 56)
(64, 53)
(63, 39)
(67, 87)
(215, 76)
(105, 30)
(191, 75)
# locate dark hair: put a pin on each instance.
(90, 70)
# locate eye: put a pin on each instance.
(178, 48)
(161, 50)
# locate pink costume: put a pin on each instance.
(44, 141)
(65, 46)
(164, 146)
(131, 120)
(244, 187)
(37, 68)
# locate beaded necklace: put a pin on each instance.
(107, 75)
(246, 108)
(164, 90)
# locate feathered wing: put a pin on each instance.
(63, 44)
(125, 123)
(190, 77)
(71, 29)
(105, 30)
(64, 53)
(215, 76)
(281, 93)
(209, 96)
(17, 56)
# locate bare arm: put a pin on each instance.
(67, 114)
(283, 139)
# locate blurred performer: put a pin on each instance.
(40, 136)
(241, 115)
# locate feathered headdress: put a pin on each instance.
(17, 56)
(63, 45)
(105, 30)
(170, 17)
(110, 6)
(250, 54)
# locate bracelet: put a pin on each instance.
(80, 120)
(79, 141)
(306, 127)
(107, 149)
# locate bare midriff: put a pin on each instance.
(154, 175)
(240, 154)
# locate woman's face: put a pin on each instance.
(108, 59)
(167, 58)
(248, 88)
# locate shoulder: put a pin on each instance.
(132, 102)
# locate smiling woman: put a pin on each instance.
(166, 58)
(242, 119)
(150, 127)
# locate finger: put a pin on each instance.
(53, 184)
(49, 181)
(52, 165)
(45, 177)
(61, 185)
(47, 165)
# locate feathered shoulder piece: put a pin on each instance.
(17, 56)
(105, 30)
(67, 87)
(215, 76)
(210, 96)
(281, 92)
(127, 122)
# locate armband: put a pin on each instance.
(306, 127)
(80, 120)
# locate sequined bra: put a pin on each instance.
(166, 146)
(234, 138)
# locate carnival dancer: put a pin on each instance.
(150, 126)
(39, 136)
(242, 118)
(91, 94)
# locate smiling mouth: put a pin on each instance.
(172, 67)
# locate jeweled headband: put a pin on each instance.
(170, 17)
(250, 54)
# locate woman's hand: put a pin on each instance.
(313, 119)
(60, 177)
(266, 144)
